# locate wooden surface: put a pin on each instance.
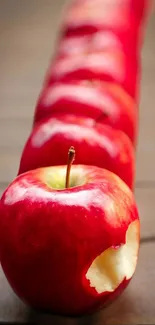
(27, 39)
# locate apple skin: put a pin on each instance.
(50, 237)
(99, 41)
(106, 102)
(100, 13)
(126, 23)
(117, 52)
(125, 35)
(89, 16)
(124, 19)
(95, 144)
(108, 65)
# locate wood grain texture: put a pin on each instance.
(27, 40)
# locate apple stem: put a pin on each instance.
(71, 157)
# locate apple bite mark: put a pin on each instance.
(114, 265)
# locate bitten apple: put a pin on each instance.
(68, 250)
(106, 102)
(95, 144)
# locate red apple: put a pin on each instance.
(95, 144)
(103, 64)
(68, 250)
(99, 41)
(108, 65)
(100, 13)
(90, 15)
(142, 9)
(106, 102)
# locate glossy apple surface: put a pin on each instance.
(105, 63)
(95, 144)
(108, 65)
(127, 40)
(68, 251)
(103, 13)
(99, 41)
(107, 103)
(91, 15)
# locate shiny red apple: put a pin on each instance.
(99, 13)
(83, 16)
(89, 65)
(107, 103)
(89, 50)
(68, 250)
(99, 41)
(108, 65)
(95, 144)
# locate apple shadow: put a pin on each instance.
(115, 314)
(41, 318)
